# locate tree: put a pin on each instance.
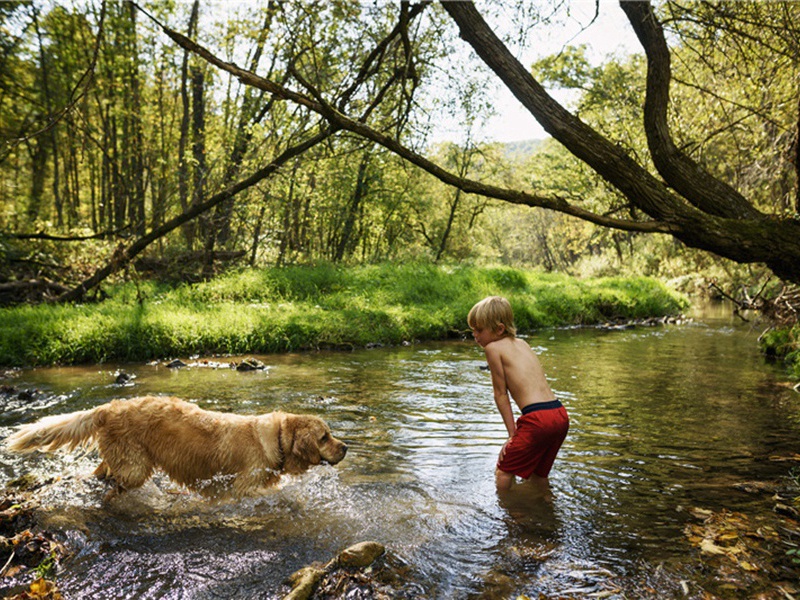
(705, 165)
(296, 133)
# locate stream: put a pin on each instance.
(663, 419)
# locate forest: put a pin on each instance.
(180, 140)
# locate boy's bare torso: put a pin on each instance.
(522, 371)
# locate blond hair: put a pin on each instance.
(492, 312)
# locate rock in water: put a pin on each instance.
(360, 555)
(303, 583)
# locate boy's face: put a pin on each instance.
(485, 335)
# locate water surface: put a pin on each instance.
(662, 419)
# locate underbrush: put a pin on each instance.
(300, 308)
(783, 344)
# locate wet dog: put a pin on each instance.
(213, 453)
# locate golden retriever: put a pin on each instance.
(213, 453)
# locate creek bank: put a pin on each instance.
(289, 309)
(27, 552)
(253, 364)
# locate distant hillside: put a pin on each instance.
(520, 151)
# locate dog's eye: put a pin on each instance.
(325, 436)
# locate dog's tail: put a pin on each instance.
(50, 433)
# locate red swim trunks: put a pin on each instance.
(540, 432)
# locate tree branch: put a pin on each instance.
(609, 160)
(772, 241)
(62, 238)
(704, 191)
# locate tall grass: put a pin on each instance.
(297, 308)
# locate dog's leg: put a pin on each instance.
(128, 471)
(115, 490)
(133, 475)
(103, 471)
(254, 482)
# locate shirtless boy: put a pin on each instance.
(535, 438)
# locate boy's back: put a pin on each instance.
(521, 370)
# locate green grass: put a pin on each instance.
(300, 308)
(783, 344)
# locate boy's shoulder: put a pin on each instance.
(508, 344)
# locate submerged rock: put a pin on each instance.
(304, 582)
(122, 378)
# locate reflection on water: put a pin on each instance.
(661, 419)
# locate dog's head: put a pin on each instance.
(307, 441)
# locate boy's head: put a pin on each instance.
(492, 312)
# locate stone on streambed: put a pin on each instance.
(304, 582)
(251, 364)
(358, 556)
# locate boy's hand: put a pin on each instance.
(503, 449)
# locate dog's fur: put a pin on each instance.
(213, 453)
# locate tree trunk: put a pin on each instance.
(248, 117)
(37, 148)
(183, 164)
(707, 214)
(135, 145)
(359, 192)
(51, 134)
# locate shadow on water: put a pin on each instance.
(662, 419)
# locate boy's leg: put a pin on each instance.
(541, 487)
(503, 480)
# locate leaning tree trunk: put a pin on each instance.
(696, 208)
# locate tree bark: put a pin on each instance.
(685, 176)
(136, 206)
(183, 141)
(359, 192)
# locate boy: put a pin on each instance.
(535, 439)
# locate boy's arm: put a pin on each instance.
(501, 397)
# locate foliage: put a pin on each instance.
(737, 67)
(325, 306)
(783, 344)
(744, 132)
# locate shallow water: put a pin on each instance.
(662, 419)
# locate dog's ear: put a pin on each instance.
(299, 443)
(306, 444)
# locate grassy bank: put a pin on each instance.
(297, 308)
(784, 344)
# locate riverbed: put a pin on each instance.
(664, 420)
